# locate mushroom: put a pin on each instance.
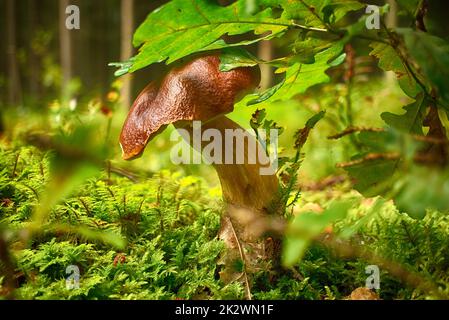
(198, 90)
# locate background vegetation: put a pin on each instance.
(369, 187)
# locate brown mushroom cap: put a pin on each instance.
(196, 91)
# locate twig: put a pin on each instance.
(127, 174)
(74, 211)
(323, 183)
(176, 200)
(242, 256)
(431, 140)
(115, 201)
(140, 206)
(371, 157)
(351, 130)
(300, 26)
(417, 137)
(15, 165)
(109, 172)
(85, 207)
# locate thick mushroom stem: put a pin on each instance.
(199, 91)
(247, 193)
(240, 175)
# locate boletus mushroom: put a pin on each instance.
(198, 90)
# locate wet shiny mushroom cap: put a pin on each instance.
(197, 90)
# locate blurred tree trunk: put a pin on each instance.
(65, 47)
(127, 27)
(14, 87)
(392, 15)
(2, 128)
(391, 22)
(33, 58)
(265, 52)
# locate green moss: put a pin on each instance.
(169, 223)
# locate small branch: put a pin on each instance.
(176, 200)
(125, 173)
(351, 130)
(368, 38)
(349, 80)
(124, 204)
(370, 157)
(324, 183)
(74, 211)
(431, 140)
(115, 203)
(109, 171)
(409, 237)
(15, 165)
(302, 27)
(288, 25)
(417, 137)
(85, 207)
(140, 206)
(242, 256)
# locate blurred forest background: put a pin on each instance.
(72, 200)
(44, 62)
(41, 56)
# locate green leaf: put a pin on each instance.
(390, 61)
(337, 61)
(232, 58)
(294, 249)
(319, 13)
(412, 120)
(302, 134)
(337, 9)
(299, 77)
(307, 226)
(257, 118)
(124, 67)
(409, 6)
(432, 55)
(106, 237)
(371, 176)
(423, 189)
(220, 43)
(197, 25)
(350, 230)
(359, 27)
(306, 50)
(266, 94)
(310, 124)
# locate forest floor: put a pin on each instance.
(156, 239)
